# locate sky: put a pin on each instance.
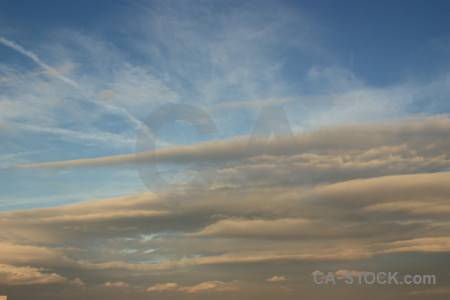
(223, 149)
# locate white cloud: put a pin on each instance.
(217, 286)
(116, 284)
(207, 286)
(108, 107)
(160, 287)
(78, 282)
(11, 275)
(276, 278)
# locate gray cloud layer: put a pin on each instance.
(380, 194)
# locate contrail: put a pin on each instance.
(13, 45)
(110, 108)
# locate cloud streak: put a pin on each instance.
(17, 276)
(110, 108)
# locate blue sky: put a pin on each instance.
(360, 88)
(207, 54)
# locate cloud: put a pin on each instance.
(372, 149)
(74, 136)
(216, 286)
(278, 229)
(327, 222)
(276, 278)
(433, 291)
(116, 284)
(78, 282)
(434, 206)
(18, 276)
(347, 273)
(240, 65)
(424, 244)
(54, 72)
(160, 287)
(207, 286)
(29, 254)
(13, 45)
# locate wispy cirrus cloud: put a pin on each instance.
(58, 75)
